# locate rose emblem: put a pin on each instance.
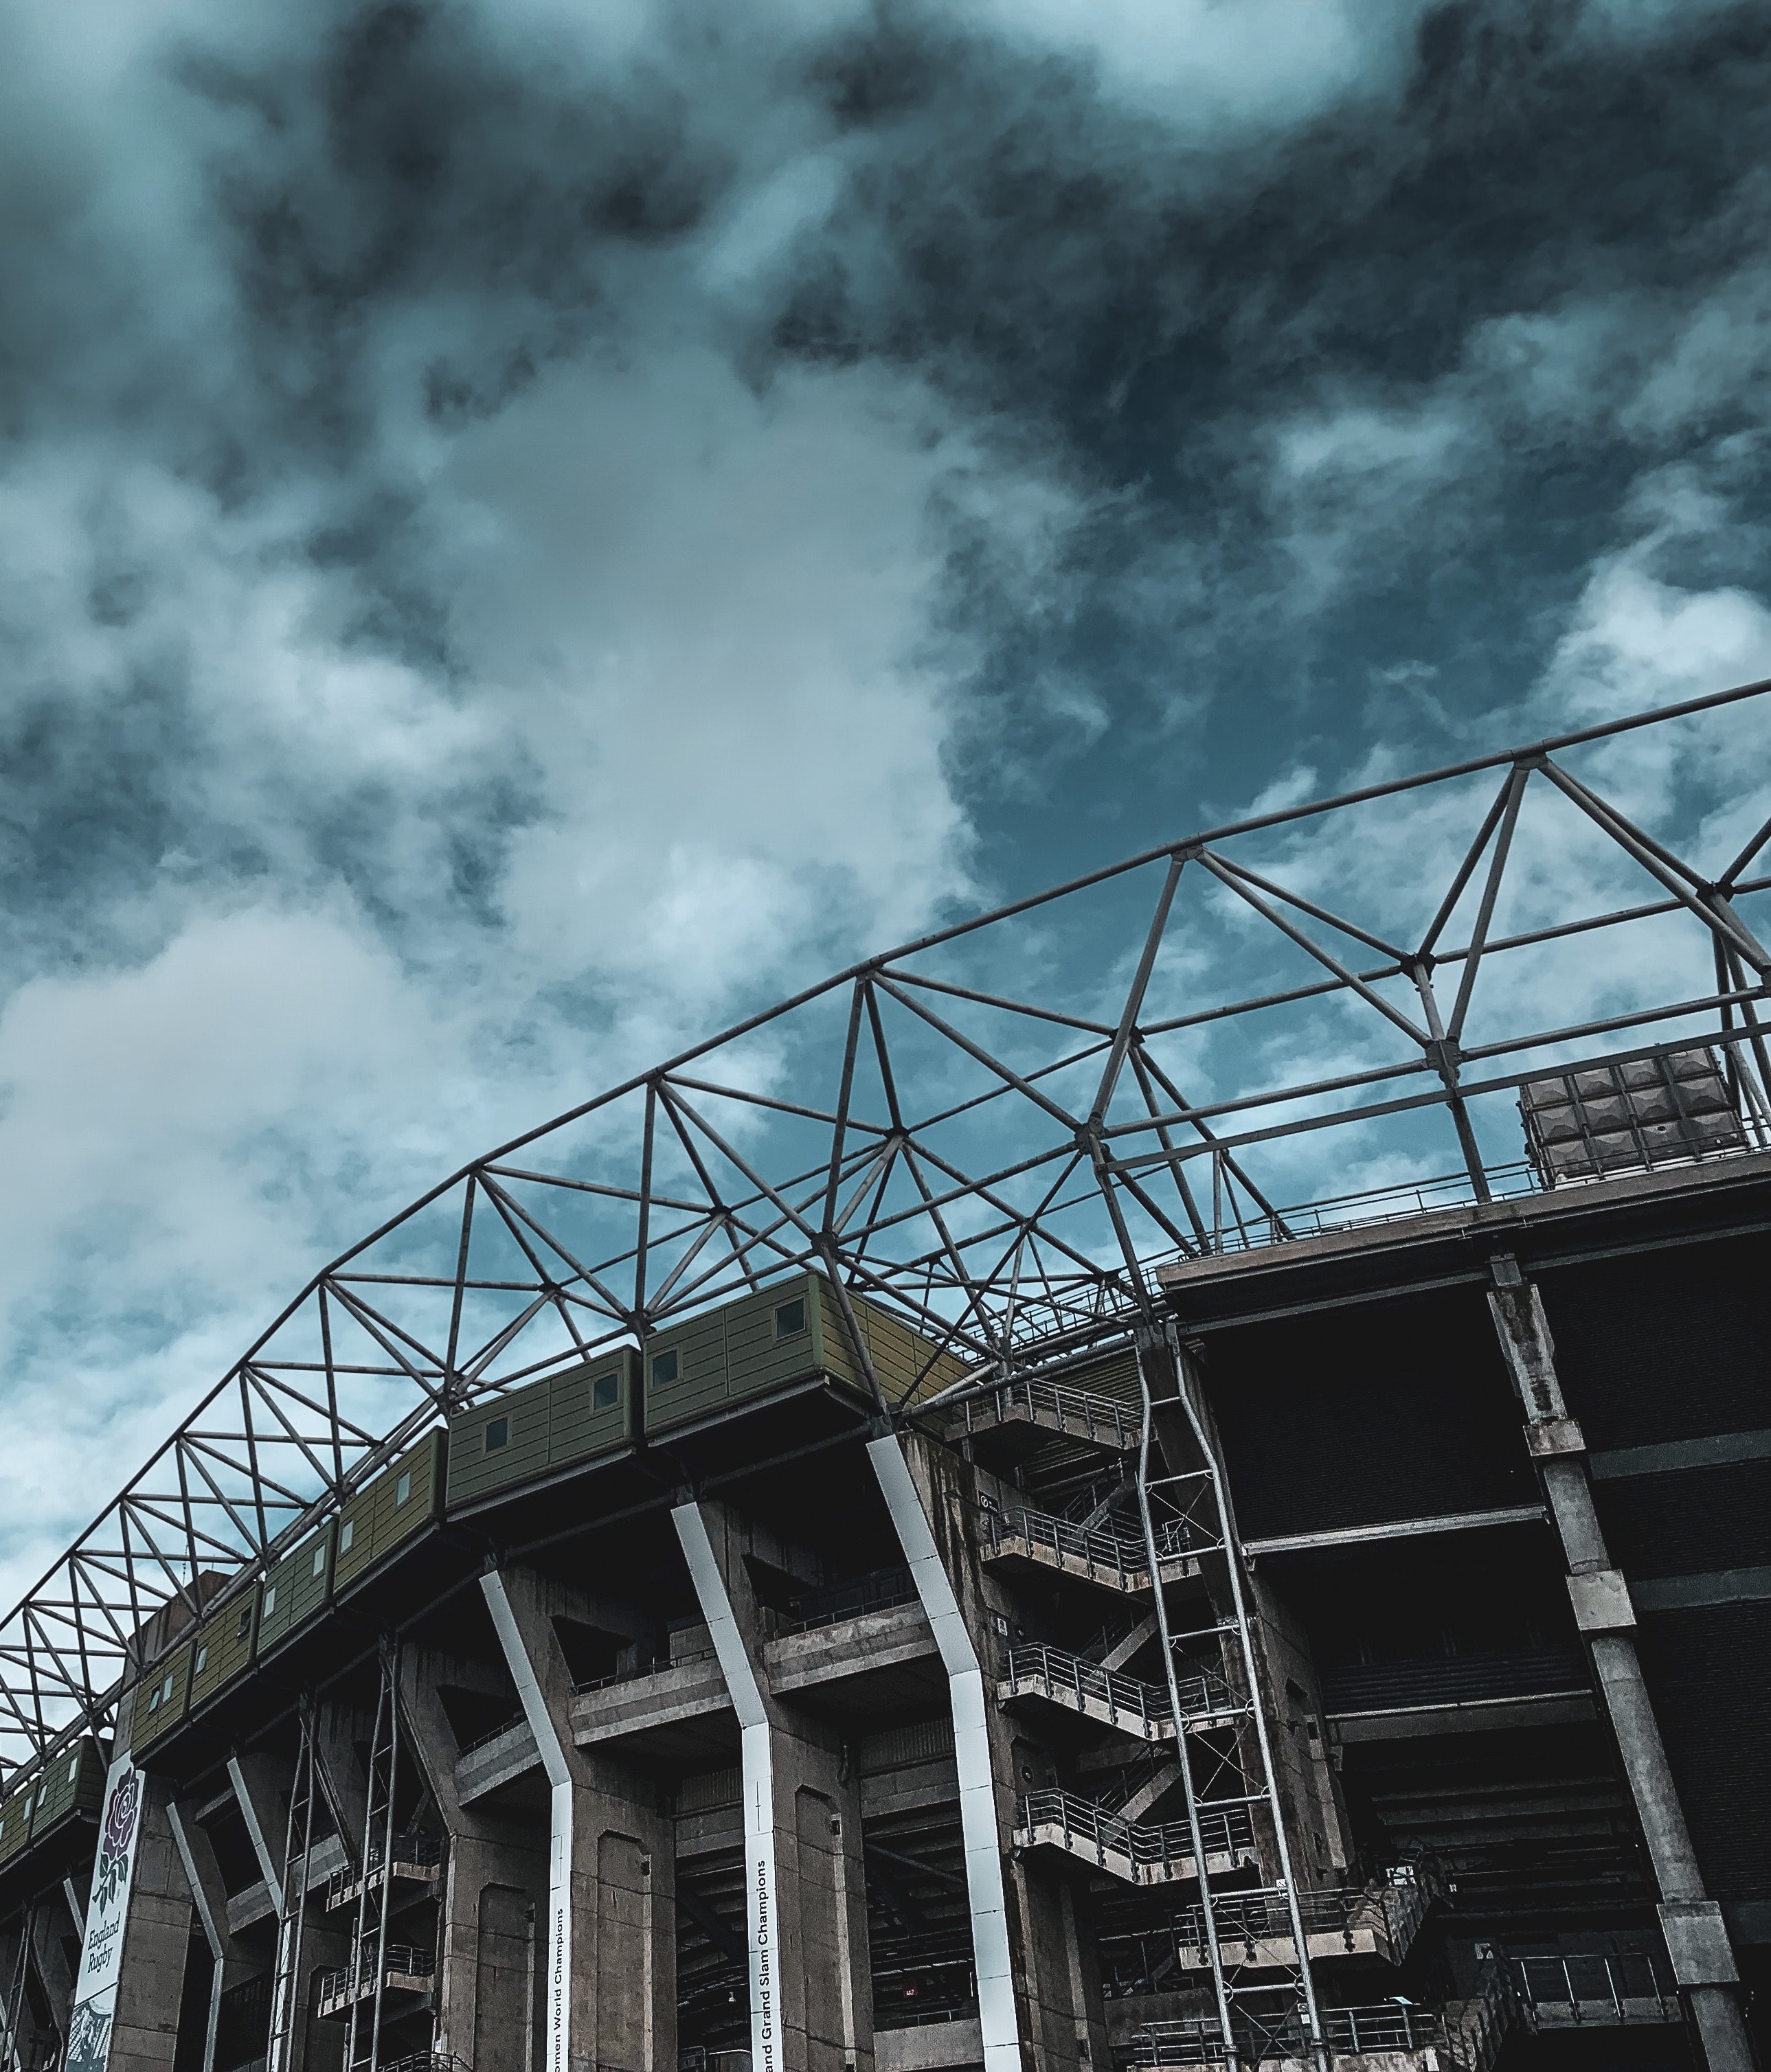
(120, 1821)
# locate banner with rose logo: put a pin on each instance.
(95, 1993)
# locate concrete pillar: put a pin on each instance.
(49, 1925)
(209, 1896)
(811, 1977)
(1059, 2023)
(610, 1941)
(494, 1896)
(1697, 1939)
(156, 1938)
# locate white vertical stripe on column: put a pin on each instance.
(759, 1782)
(971, 1751)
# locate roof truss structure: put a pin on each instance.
(998, 1129)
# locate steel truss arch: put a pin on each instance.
(1005, 1171)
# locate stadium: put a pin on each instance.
(1177, 1473)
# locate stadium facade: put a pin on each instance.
(886, 1551)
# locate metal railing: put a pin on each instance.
(1389, 2026)
(1104, 1554)
(1136, 1706)
(417, 1851)
(1101, 1419)
(1391, 1910)
(400, 1959)
(1598, 1990)
(640, 1670)
(885, 1590)
(1087, 1827)
(490, 1735)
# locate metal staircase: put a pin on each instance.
(1264, 2007)
(1110, 1699)
(292, 1902)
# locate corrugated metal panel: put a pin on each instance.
(73, 1784)
(225, 1644)
(1358, 1416)
(896, 1748)
(1709, 1676)
(498, 1443)
(908, 1367)
(712, 1788)
(1690, 1522)
(1669, 1347)
(298, 1589)
(1116, 1377)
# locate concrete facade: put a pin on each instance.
(954, 1728)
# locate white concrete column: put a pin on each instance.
(761, 1882)
(971, 1750)
(559, 1822)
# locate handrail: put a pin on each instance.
(1053, 1670)
(1104, 1419)
(1635, 1975)
(1354, 2031)
(1101, 1551)
(405, 1959)
(1105, 1832)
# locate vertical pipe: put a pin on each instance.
(559, 1822)
(756, 1760)
(988, 1902)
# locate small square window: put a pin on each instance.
(346, 1532)
(790, 1318)
(73, 1770)
(605, 1392)
(402, 1489)
(243, 1626)
(154, 1700)
(666, 1368)
(270, 1599)
(320, 1558)
(497, 1435)
(203, 1656)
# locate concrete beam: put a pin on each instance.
(1696, 1935)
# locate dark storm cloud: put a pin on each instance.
(526, 527)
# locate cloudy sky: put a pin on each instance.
(529, 528)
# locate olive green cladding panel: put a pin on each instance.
(591, 1408)
(499, 1443)
(298, 1587)
(399, 1502)
(15, 1820)
(773, 1338)
(160, 1699)
(74, 1782)
(225, 1644)
(686, 1372)
(907, 1363)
